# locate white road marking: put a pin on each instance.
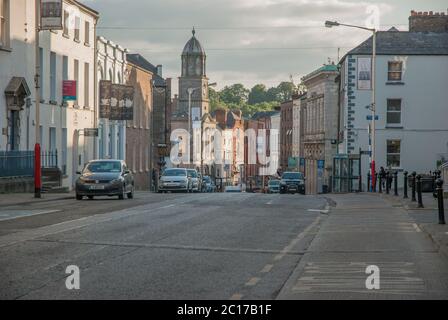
(267, 268)
(325, 211)
(252, 281)
(416, 227)
(236, 296)
(16, 214)
(269, 202)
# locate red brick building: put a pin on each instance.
(286, 125)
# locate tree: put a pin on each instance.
(236, 94)
(272, 95)
(258, 94)
(215, 102)
(285, 91)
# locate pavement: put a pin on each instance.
(369, 230)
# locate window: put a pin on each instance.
(393, 153)
(4, 23)
(52, 138)
(52, 76)
(76, 78)
(66, 23)
(87, 33)
(64, 68)
(77, 26)
(86, 85)
(395, 70)
(394, 111)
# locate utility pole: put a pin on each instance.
(37, 150)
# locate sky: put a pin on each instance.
(249, 41)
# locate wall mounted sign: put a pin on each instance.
(69, 90)
(51, 15)
(364, 73)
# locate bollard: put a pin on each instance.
(413, 186)
(405, 186)
(374, 184)
(368, 182)
(380, 184)
(395, 183)
(439, 184)
(419, 191)
(387, 182)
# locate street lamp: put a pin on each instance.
(190, 129)
(330, 24)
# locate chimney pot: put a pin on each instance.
(430, 13)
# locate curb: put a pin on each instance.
(39, 201)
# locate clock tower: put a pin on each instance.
(193, 79)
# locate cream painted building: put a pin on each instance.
(67, 54)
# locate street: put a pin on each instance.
(218, 246)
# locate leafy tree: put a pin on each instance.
(236, 94)
(215, 102)
(272, 95)
(285, 91)
(258, 94)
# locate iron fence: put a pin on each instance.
(21, 163)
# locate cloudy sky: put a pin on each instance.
(249, 41)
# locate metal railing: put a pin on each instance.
(16, 164)
(21, 163)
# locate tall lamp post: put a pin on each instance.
(190, 129)
(330, 24)
(37, 164)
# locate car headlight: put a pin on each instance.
(116, 181)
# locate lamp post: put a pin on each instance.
(330, 24)
(37, 164)
(190, 129)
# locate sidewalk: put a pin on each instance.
(13, 199)
(369, 230)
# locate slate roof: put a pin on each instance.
(264, 114)
(141, 62)
(405, 43)
(193, 46)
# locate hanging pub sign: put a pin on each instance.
(105, 96)
(69, 90)
(51, 15)
(364, 73)
(121, 102)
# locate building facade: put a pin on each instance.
(320, 114)
(111, 66)
(66, 54)
(411, 97)
(286, 121)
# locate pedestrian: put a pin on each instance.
(382, 174)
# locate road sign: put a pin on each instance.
(369, 117)
(91, 132)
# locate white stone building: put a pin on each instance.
(111, 65)
(411, 99)
(67, 54)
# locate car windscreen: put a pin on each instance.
(292, 175)
(274, 182)
(174, 173)
(103, 166)
(192, 174)
(206, 179)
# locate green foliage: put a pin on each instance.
(257, 99)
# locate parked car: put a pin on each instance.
(105, 178)
(208, 185)
(274, 186)
(175, 179)
(292, 182)
(232, 189)
(195, 180)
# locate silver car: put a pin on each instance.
(175, 179)
(195, 180)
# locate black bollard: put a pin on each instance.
(395, 183)
(439, 184)
(419, 191)
(405, 186)
(368, 182)
(380, 184)
(387, 182)
(414, 174)
(374, 184)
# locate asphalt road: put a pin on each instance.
(157, 246)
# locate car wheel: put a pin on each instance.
(78, 197)
(90, 197)
(131, 194)
(123, 190)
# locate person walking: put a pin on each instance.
(382, 174)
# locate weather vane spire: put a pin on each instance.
(193, 31)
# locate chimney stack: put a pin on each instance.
(159, 70)
(428, 22)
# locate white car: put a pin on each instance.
(175, 179)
